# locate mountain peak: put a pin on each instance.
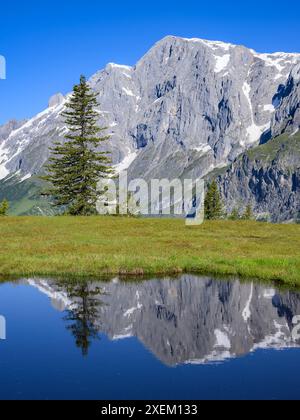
(111, 66)
(56, 100)
(214, 45)
(187, 107)
(206, 42)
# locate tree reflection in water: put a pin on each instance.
(84, 316)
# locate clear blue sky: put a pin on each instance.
(49, 43)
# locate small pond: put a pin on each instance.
(186, 338)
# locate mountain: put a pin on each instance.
(190, 320)
(187, 107)
(8, 128)
(268, 176)
(287, 116)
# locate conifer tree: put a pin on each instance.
(76, 166)
(213, 202)
(4, 207)
(248, 214)
(235, 214)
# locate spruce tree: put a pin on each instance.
(4, 207)
(76, 166)
(235, 214)
(248, 214)
(213, 202)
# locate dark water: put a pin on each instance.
(191, 338)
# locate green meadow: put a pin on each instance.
(95, 246)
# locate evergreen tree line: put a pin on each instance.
(214, 208)
(76, 165)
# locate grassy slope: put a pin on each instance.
(278, 148)
(25, 197)
(93, 246)
(281, 146)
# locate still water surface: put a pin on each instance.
(190, 338)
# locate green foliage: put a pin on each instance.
(213, 202)
(235, 215)
(4, 207)
(248, 214)
(76, 166)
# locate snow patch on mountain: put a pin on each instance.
(118, 66)
(221, 62)
(3, 172)
(203, 148)
(25, 177)
(254, 131)
(160, 110)
(269, 108)
(128, 92)
(126, 162)
(215, 45)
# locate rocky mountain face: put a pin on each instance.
(8, 128)
(187, 107)
(287, 116)
(268, 176)
(191, 320)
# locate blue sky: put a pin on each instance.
(48, 44)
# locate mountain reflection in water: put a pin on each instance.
(191, 320)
